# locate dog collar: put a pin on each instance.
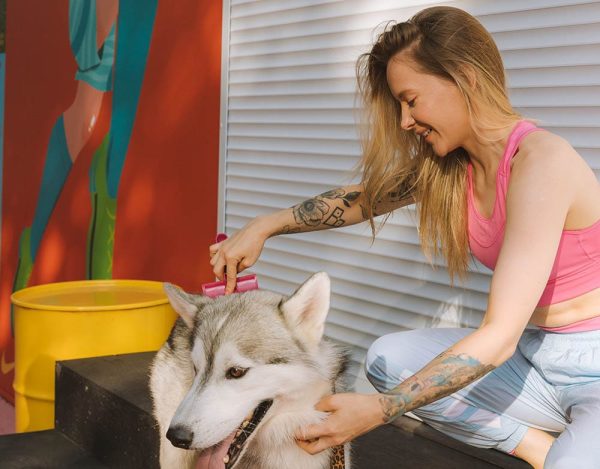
(338, 458)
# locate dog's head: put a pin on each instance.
(249, 351)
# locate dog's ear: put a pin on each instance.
(186, 305)
(305, 311)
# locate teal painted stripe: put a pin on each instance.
(56, 169)
(100, 76)
(134, 25)
(82, 33)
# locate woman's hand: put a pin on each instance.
(351, 415)
(238, 252)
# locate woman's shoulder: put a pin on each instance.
(547, 152)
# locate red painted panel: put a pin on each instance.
(167, 201)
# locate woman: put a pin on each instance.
(442, 133)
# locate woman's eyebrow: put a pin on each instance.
(402, 94)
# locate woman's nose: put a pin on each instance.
(406, 119)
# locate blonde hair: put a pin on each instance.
(451, 44)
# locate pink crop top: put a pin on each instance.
(576, 268)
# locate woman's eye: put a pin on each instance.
(235, 372)
(411, 103)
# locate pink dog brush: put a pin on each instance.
(243, 284)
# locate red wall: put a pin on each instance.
(167, 201)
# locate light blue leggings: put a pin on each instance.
(552, 383)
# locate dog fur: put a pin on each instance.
(279, 343)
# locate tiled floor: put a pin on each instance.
(7, 418)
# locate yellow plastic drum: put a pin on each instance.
(90, 318)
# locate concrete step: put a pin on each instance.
(409, 443)
(104, 405)
(48, 449)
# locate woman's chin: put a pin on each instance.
(439, 152)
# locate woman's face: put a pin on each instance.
(432, 108)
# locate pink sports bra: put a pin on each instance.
(576, 268)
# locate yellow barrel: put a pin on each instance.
(90, 318)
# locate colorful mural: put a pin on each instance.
(111, 145)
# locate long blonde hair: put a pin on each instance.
(451, 44)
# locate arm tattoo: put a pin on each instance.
(316, 211)
(402, 191)
(287, 229)
(444, 375)
(399, 196)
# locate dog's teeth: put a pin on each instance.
(245, 423)
(226, 458)
(238, 433)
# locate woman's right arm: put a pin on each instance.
(338, 207)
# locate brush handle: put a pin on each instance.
(220, 237)
(245, 283)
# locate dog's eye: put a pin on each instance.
(235, 372)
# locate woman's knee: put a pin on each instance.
(393, 357)
(377, 363)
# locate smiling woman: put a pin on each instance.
(442, 132)
(446, 79)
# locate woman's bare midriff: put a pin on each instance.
(576, 309)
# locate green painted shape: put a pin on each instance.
(101, 232)
(24, 268)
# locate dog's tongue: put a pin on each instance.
(213, 458)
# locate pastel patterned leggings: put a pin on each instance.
(552, 382)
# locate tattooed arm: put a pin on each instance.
(466, 361)
(351, 415)
(338, 207)
(332, 209)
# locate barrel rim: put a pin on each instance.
(17, 300)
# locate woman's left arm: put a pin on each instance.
(541, 191)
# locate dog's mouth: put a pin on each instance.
(226, 454)
(243, 432)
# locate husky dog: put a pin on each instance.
(239, 376)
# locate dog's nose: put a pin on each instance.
(181, 436)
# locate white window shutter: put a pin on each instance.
(288, 133)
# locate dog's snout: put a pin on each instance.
(181, 436)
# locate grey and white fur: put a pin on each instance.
(276, 344)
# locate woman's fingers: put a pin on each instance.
(214, 259)
(233, 255)
(350, 415)
(326, 404)
(232, 265)
(227, 268)
(318, 445)
(218, 264)
(312, 432)
(213, 249)
(315, 438)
